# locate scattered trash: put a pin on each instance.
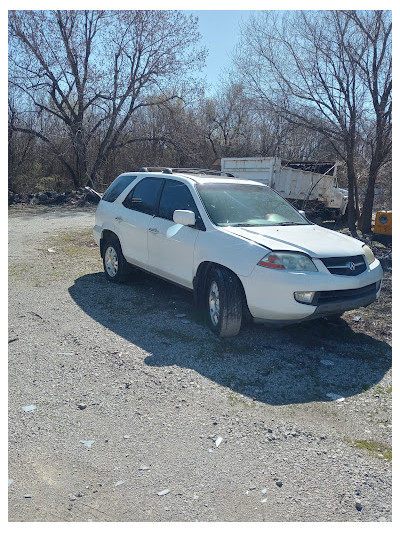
(263, 491)
(253, 487)
(180, 315)
(29, 408)
(118, 483)
(356, 319)
(358, 505)
(66, 353)
(218, 441)
(326, 362)
(210, 450)
(12, 340)
(279, 483)
(87, 443)
(264, 500)
(335, 397)
(163, 492)
(10, 482)
(27, 496)
(143, 468)
(127, 436)
(35, 314)
(81, 406)
(51, 250)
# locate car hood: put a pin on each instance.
(310, 239)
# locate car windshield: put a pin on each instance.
(248, 205)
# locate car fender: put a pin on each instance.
(239, 254)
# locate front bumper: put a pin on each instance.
(333, 302)
(270, 294)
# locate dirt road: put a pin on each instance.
(124, 407)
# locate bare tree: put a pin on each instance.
(168, 134)
(376, 66)
(303, 66)
(228, 121)
(93, 70)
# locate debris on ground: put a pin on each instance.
(335, 397)
(79, 198)
(29, 408)
(87, 443)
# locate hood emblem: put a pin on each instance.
(351, 265)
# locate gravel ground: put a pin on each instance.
(124, 407)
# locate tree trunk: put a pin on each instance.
(80, 153)
(351, 210)
(366, 217)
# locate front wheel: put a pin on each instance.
(224, 302)
(116, 268)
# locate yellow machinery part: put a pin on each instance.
(383, 223)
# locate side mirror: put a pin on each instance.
(186, 218)
(302, 212)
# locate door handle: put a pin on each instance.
(154, 230)
(118, 219)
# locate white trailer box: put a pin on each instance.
(291, 183)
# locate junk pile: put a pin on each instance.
(78, 198)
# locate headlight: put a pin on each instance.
(369, 256)
(288, 261)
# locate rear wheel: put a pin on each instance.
(224, 302)
(116, 268)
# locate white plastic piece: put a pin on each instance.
(335, 397)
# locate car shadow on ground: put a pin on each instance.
(296, 364)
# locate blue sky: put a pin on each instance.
(220, 31)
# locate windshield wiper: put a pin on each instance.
(289, 224)
(244, 225)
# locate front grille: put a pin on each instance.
(345, 266)
(328, 297)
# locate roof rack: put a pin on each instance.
(197, 171)
(205, 171)
(151, 169)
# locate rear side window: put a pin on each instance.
(144, 195)
(176, 195)
(117, 187)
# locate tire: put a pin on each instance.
(224, 302)
(115, 265)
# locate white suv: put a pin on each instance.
(237, 244)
